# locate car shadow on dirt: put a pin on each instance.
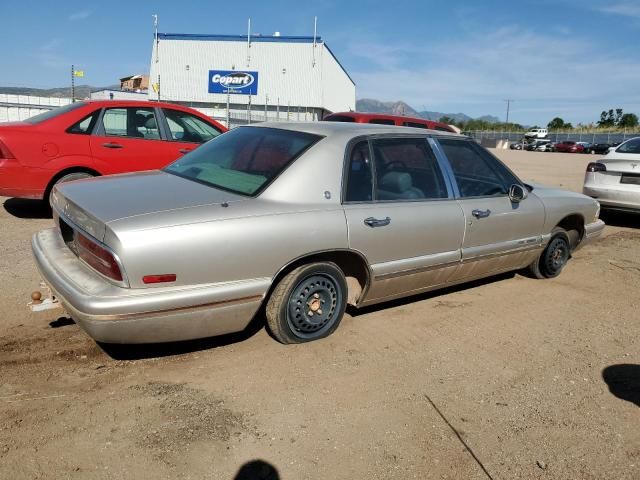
(623, 381)
(621, 219)
(26, 208)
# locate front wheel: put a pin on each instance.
(307, 304)
(554, 257)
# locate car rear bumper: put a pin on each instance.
(610, 194)
(16, 180)
(112, 314)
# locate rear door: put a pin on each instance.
(500, 235)
(186, 131)
(401, 215)
(128, 139)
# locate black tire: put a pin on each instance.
(307, 304)
(65, 178)
(554, 257)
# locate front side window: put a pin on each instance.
(245, 160)
(630, 146)
(184, 127)
(477, 172)
(407, 169)
(134, 122)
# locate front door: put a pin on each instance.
(401, 215)
(500, 234)
(186, 132)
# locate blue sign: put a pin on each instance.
(233, 81)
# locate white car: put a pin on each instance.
(615, 179)
(537, 133)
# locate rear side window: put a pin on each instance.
(85, 126)
(382, 121)
(359, 175)
(443, 129)
(339, 118)
(406, 169)
(135, 122)
(415, 125)
(184, 127)
(477, 172)
(631, 146)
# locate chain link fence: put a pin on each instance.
(576, 136)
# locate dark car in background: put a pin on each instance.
(601, 148)
(540, 145)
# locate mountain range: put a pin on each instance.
(81, 91)
(401, 108)
(362, 105)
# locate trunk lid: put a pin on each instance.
(621, 165)
(93, 203)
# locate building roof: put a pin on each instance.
(239, 38)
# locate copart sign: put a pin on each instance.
(233, 81)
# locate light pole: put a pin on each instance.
(508, 100)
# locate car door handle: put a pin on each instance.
(377, 222)
(481, 213)
(185, 150)
(112, 145)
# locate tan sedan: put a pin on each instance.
(302, 219)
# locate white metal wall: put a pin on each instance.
(14, 108)
(184, 67)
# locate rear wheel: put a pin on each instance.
(307, 304)
(554, 257)
(65, 178)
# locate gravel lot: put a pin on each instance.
(540, 379)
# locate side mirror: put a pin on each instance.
(517, 193)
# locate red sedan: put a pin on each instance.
(569, 147)
(91, 138)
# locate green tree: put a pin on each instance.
(628, 120)
(607, 119)
(556, 124)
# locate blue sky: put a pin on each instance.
(571, 58)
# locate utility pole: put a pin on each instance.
(508, 100)
(73, 84)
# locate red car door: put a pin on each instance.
(187, 131)
(128, 139)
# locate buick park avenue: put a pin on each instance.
(296, 221)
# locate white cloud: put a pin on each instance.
(558, 73)
(80, 15)
(627, 9)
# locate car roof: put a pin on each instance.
(135, 103)
(351, 129)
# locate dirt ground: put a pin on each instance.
(507, 378)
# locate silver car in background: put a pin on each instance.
(301, 219)
(615, 179)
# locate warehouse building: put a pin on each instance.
(258, 76)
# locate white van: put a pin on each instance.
(536, 133)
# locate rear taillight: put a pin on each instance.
(596, 167)
(5, 153)
(98, 257)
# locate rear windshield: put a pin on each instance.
(43, 117)
(244, 160)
